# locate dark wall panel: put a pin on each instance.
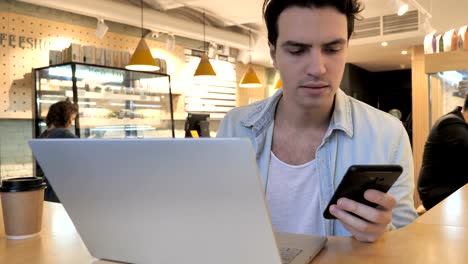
(382, 90)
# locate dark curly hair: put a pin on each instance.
(272, 9)
(60, 113)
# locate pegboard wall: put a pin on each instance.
(25, 44)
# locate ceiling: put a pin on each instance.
(366, 53)
(242, 15)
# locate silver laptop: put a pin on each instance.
(168, 201)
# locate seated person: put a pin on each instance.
(445, 155)
(309, 132)
(59, 119)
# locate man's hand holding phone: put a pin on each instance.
(372, 222)
(361, 202)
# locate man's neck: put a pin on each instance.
(465, 115)
(295, 116)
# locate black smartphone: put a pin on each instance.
(359, 178)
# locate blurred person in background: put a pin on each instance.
(444, 169)
(59, 119)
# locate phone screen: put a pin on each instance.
(360, 178)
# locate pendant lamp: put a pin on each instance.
(204, 67)
(142, 60)
(279, 84)
(250, 79)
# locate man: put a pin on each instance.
(445, 156)
(309, 132)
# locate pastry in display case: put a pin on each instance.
(113, 102)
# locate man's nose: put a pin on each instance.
(315, 65)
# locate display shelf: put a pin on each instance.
(103, 95)
(107, 97)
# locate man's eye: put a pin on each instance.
(332, 49)
(296, 51)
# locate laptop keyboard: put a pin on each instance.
(288, 254)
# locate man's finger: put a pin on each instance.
(384, 200)
(361, 224)
(367, 213)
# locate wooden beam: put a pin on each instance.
(446, 61)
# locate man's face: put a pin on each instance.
(310, 55)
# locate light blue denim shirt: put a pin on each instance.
(357, 134)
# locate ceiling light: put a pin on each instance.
(384, 44)
(142, 60)
(212, 50)
(243, 56)
(404, 52)
(170, 42)
(204, 68)
(250, 79)
(101, 28)
(402, 7)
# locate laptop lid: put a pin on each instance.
(162, 200)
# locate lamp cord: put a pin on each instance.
(250, 48)
(204, 41)
(142, 18)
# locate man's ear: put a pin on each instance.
(273, 54)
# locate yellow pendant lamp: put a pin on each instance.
(204, 68)
(250, 78)
(142, 59)
(279, 84)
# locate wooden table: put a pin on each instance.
(58, 242)
(438, 236)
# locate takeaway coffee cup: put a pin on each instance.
(22, 201)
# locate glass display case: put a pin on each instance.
(113, 102)
(447, 90)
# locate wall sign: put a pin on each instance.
(22, 42)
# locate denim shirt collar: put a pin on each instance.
(342, 118)
(263, 115)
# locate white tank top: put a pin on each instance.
(293, 196)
